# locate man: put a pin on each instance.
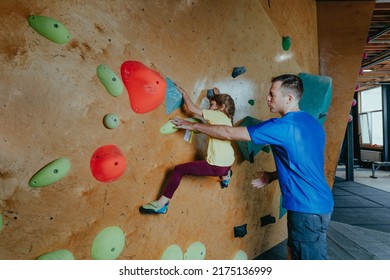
(298, 141)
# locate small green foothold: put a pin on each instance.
(110, 80)
(57, 255)
(241, 255)
(111, 121)
(286, 43)
(173, 252)
(196, 251)
(49, 28)
(251, 102)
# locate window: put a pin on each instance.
(371, 118)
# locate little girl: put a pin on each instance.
(220, 153)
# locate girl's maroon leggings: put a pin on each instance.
(195, 168)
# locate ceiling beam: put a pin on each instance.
(377, 59)
(380, 33)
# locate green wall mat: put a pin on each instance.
(49, 28)
(108, 244)
(50, 173)
(196, 251)
(57, 255)
(111, 81)
(173, 252)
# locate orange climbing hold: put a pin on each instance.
(107, 163)
(146, 87)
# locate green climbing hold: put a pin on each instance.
(168, 128)
(249, 149)
(108, 244)
(112, 83)
(240, 255)
(251, 102)
(286, 43)
(317, 95)
(111, 121)
(196, 251)
(50, 173)
(282, 210)
(57, 255)
(266, 148)
(173, 252)
(49, 28)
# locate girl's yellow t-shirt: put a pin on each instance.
(219, 152)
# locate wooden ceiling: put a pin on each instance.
(376, 55)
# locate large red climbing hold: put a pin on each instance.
(146, 87)
(107, 163)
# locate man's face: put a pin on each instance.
(276, 100)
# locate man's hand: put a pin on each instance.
(264, 179)
(183, 124)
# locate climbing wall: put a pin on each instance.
(81, 150)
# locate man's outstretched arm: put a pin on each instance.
(224, 132)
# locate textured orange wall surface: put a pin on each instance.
(52, 105)
(298, 20)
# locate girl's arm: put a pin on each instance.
(190, 105)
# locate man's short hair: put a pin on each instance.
(290, 82)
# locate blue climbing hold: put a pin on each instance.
(173, 97)
(238, 71)
(240, 231)
(266, 220)
(210, 93)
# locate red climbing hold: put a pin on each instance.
(107, 163)
(146, 87)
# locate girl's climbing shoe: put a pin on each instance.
(225, 183)
(154, 208)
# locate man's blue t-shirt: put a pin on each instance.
(298, 142)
